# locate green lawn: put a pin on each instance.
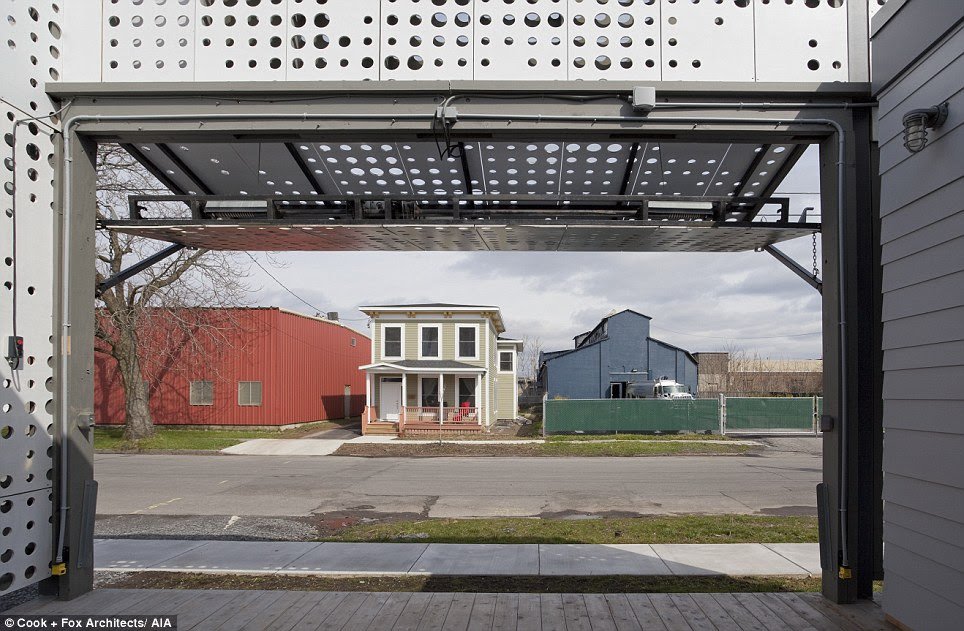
(639, 448)
(657, 529)
(558, 438)
(170, 438)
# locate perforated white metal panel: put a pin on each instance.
(30, 52)
(428, 40)
(708, 41)
(521, 40)
(674, 169)
(26, 394)
(334, 40)
(614, 40)
(149, 40)
(243, 41)
(805, 40)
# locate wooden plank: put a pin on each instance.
(390, 611)
(172, 598)
(460, 612)
(291, 606)
(768, 619)
(645, 612)
(600, 617)
(813, 616)
(577, 616)
(787, 614)
(483, 612)
(672, 617)
(237, 618)
(208, 605)
(367, 612)
(715, 613)
(844, 613)
(622, 612)
(695, 617)
(344, 611)
(412, 612)
(738, 612)
(553, 614)
(438, 608)
(506, 616)
(530, 613)
(318, 612)
(92, 602)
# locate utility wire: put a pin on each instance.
(287, 289)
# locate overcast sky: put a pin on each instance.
(700, 302)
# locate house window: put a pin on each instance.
(354, 342)
(249, 393)
(202, 393)
(505, 361)
(429, 342)
(392, 344)
(429, 391)
(467, 391)
(468, 344)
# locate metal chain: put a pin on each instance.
(816, 270)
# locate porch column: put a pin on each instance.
(441, 398)
(368, 390)
(401, 411)
(478, 398)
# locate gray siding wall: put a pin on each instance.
(587, 372)
(922, 253)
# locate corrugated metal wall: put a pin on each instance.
(304, 366)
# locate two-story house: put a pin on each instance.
(439, 367)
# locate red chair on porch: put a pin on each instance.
(458, 416)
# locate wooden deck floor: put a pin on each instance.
(281, 610)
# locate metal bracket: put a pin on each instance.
(136, 268)
(795, 267)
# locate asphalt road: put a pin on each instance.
(144, 487)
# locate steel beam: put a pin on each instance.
(795, 267)
(137, 268)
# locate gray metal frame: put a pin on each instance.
(129, 114)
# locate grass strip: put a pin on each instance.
(484, 584)
(169, 438)
(561, 438)
(612, 530)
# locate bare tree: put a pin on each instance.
(164, 300)
(532, 347)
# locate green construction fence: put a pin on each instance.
(611, 416)
(769, 414)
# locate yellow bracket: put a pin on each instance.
(845, 572)
(58, 569)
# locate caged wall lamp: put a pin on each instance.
(917, 122)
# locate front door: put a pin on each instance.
(390, 399)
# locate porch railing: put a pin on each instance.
(445, 415)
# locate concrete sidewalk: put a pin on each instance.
(451, 559)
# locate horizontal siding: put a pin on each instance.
(937, 233)
(945, 582)
(941, 551)
(938, 382)
(926, 416)
(946, 325)
(932, 526)
(907, 180)
(906, 600)
(943, 464)
(923, 212)
(926, 356)
(943, 501)
(935, 295)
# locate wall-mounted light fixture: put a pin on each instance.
(917, 122)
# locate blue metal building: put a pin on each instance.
(616, 352)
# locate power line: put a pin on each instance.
(285, 287)
(727, 337)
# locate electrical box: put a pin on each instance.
(644, 98)
(15, 351)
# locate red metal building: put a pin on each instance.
(252, 366)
